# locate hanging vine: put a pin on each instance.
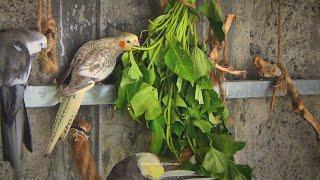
(284, 83)
(46, 24)
(81, 150)
(219, 55)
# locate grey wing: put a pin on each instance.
(17, 64)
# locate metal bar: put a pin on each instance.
(44, 96)
(256, 89)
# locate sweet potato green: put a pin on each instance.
(166, 83)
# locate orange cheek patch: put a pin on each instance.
(122, 44)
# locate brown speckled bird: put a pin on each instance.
(93, 62)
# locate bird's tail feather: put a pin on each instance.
(5, 151)
(15, 127)
(67, 111)
(27, 131)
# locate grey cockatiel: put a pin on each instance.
(147, 166)
(16, 47)
(93, 62)
(139, 166)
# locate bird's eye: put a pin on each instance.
(17, 46)
(128, 41)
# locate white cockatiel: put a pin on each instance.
(93, 62)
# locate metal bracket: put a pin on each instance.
(44, 96)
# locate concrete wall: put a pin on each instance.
(114, 135)
(279, 146)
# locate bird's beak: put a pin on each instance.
(136, 43)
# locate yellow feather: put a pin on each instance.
(67, 111)
(150, 165)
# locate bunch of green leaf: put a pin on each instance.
(166, 83)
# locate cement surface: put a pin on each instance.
(279, 146)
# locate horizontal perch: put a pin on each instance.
(44, 96)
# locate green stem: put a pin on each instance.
(146, 48)
(178, 7)
(194, 31)
(191, 145)
(154, 57)
(168, 132)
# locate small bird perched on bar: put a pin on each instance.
(93, 62)
(16, 47)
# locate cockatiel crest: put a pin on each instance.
(93, 62)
